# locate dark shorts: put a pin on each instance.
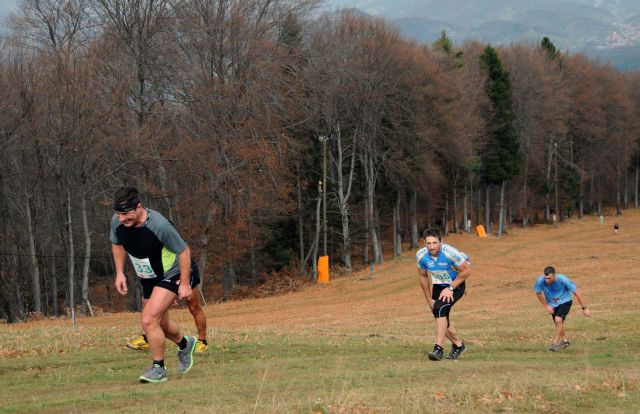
(440, 308)
(562, 310)
(170, 284)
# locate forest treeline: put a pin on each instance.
(237, 119)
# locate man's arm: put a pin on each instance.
(119, 257)
(184, 258)
(542, 300)
(464, 271)
(585, 309)
(425, 284)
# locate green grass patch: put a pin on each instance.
(62, 369)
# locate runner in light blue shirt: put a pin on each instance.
(443, 270)
(554, 291)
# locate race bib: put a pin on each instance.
(142, 267)
(440, 277)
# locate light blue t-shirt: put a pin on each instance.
(444, 268)
(558, 292)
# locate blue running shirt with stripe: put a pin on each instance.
(442, 269)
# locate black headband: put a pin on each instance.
(127, 206)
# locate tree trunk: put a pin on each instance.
(54, 288)
(135, 300)
(465, 209)
(625, 204)
(456, 224)
(487, 210)
(303, 268)
(71, 258)
(479, 206)
(252, 253)
(414, 219)
(35, 269)
(525, 206)
(86, 306)
(445, 215)
(228, 279)
(581, 198)
(343, 197)
(547, 207)
(365, 250)
(370, 180)
(204, 246)
(592, 188)
(313, 249)
(202, 268)
(618, 191)
(470, 193)
(397, 238)
(637, 186)
(376, 240)
(162, 175)
(316, 239)
(501, 209)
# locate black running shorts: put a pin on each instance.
(562, 310)
(441, 308)
(170, 284)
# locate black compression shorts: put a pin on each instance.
(441, 308)
(170, 284)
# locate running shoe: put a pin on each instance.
(201, 347)
(185, 356)
(437, 354)
(564, 344)
(456, 351)
(138, 344)
(554, 347)
(154, 374)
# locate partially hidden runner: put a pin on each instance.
(140, 343)
(162, 261)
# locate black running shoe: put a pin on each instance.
(437, 354)
(563, 344)
(456, 351)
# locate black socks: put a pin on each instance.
(183, 343)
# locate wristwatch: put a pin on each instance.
(584, 307)
(451, 288)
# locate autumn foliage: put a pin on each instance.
(213, 110)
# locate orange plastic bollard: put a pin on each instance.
(323, 269)
(480, 231)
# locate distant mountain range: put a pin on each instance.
(608, 29)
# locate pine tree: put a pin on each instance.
(501, 158)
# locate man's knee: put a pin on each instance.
(558, 320)
(194, 304)
(149, 321)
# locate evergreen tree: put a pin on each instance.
(547, 45)
(445, 44)
(501, 158)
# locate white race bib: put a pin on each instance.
(440, 277)
(142, 267)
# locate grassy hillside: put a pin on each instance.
(359, 344)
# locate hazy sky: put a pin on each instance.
(6, 7)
